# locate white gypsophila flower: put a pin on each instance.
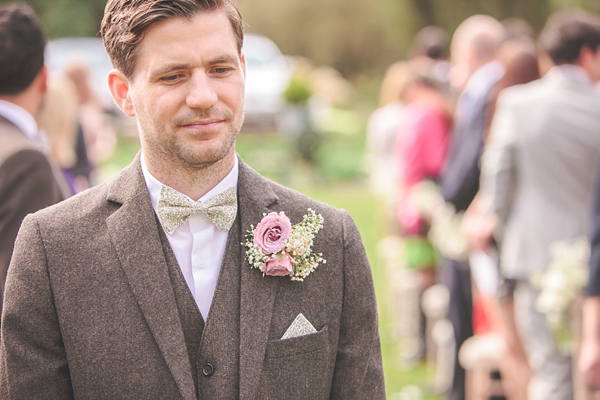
(425, 197)
(552, 301)
(447, 234)
(560, 284)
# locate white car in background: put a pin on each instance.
(268, 73)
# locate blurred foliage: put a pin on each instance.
(63, 18)
(298, 91)
(353, 36)
(360, 36)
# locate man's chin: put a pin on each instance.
(206, 158)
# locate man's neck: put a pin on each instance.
(29, 100)
(193, 182)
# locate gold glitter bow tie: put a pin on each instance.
(174, 208)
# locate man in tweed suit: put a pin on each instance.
(28, 180)
(102, 302)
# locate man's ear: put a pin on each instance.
(243, 62)
(119, 88)
(584, 54)
(43, 77)
(587, 58)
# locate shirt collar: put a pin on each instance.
(154, 185)
(20, 118)
(573, 72)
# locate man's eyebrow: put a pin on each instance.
(168, 68)
(224, 59)
(221, 59)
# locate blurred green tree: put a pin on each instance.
(357, 36)
(354, 36)
(63, 18)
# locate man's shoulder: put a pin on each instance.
(296, 203)
(339, 229)
(525, 93)
(14, 141)
(21, 158)
(84, 206)
(550, 92)
(23, 162)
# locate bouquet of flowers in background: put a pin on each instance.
(277, 248)
(426, 199)
(446, 231)
(560, 285)
(448, 235)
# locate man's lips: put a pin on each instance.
(201, 123)
(203, 126)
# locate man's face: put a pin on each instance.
(187, 91)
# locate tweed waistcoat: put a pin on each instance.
(214, 360)
(191, 319)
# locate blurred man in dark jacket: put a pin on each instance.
(28, 181)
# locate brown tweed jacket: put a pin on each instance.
(27, 184)
(90, 310)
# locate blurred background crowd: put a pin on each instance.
(473, 193)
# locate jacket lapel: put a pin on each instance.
(133, 231)
(257, 294)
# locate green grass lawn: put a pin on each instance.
(336, 179)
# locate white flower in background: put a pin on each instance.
(446, 231)
(447, 234)
(560, 284)
(425, 197)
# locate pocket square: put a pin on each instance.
(300, 327)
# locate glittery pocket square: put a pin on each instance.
(300, 327)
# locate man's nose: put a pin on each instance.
(202, 94)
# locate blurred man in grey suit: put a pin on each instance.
(537, 174)
(28, 181)
(140, 288)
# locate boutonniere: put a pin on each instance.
(277, 248)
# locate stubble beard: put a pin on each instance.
(178, 155)
(195, 159)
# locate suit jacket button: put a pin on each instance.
(208, 370)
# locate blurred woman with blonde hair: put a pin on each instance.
(58, 121)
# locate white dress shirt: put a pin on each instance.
(22, 120)
(199, 246)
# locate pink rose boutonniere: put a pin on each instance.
(277, 248)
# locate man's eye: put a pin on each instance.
(170, 78)
(221, 70)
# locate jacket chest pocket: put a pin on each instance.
(299, 367)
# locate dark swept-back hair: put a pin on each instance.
(567, 32)
(126, 22)
(22, 43)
